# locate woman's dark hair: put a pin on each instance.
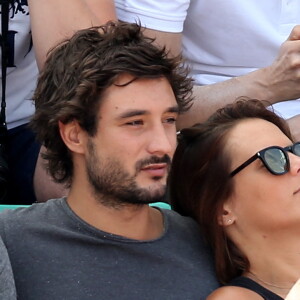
(200, 182)
(78, 72)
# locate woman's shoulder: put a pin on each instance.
(233, 292)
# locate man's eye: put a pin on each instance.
(135, 123)
(170, 120)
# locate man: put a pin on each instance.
(234, 48)
(106, 105)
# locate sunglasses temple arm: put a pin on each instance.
(244, 165)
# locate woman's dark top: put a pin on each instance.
(248, 283)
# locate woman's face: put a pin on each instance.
(261, 201)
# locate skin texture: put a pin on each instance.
(136, 122)
(233, 292)
(278, 82)
(262, 216)
(62, 19)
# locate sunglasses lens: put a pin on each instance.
(276, 160)
(296, 149)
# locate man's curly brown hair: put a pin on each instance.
(80, 69)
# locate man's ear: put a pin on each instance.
(226, 216)
(73, 136)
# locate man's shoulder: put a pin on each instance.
(22, 217)
(181, 222)
(31, 209)
(184, 237)
(185, 229)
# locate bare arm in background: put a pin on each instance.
(278, 82)
(55, 20)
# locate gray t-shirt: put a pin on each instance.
(7, 284)
(56, 255)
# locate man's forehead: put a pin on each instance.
(130, 96)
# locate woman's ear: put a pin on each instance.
(73, 136)
(226, 217)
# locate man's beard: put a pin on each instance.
(114, 187)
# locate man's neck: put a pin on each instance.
(139, 222)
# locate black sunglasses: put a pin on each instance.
(274, 158)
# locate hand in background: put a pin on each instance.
(282, 78)
(294, 124)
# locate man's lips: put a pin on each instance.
(156, 170)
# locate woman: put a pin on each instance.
(238, 175)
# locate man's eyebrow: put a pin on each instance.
(132, 113)
(140, 112)
(174, 109)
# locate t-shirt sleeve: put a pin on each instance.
(163, 15)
